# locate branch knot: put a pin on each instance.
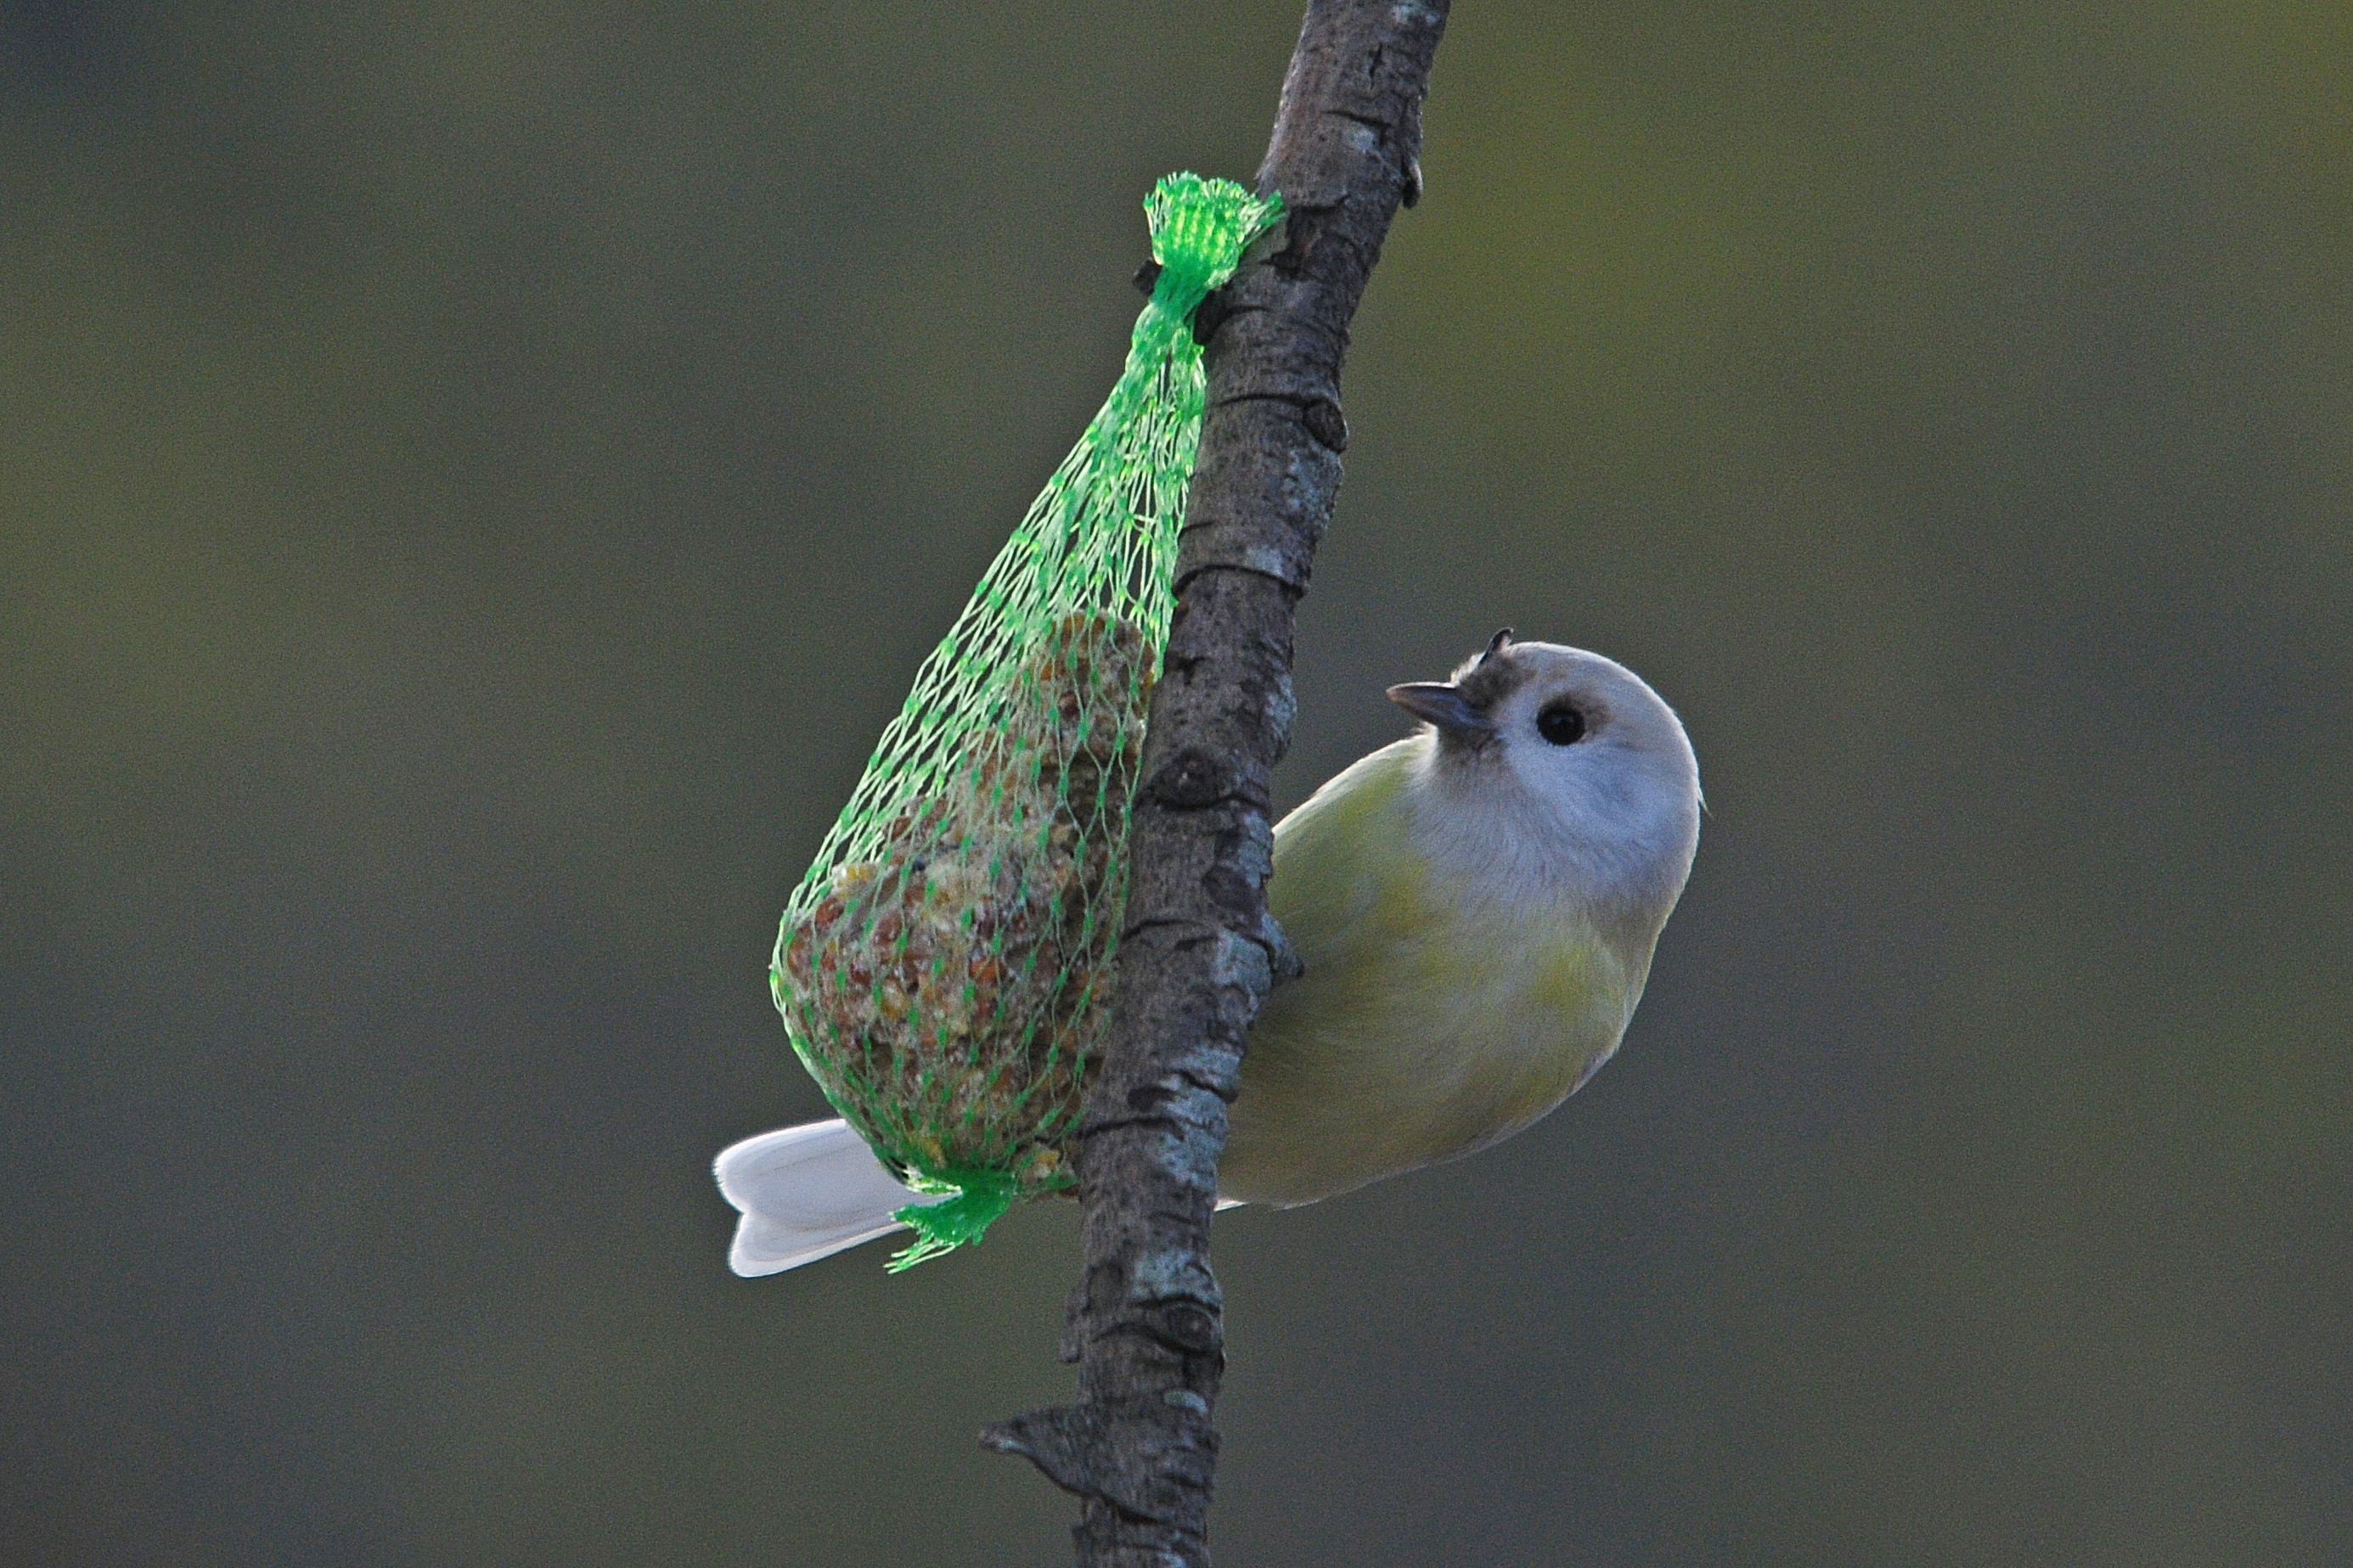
(1150, 1459)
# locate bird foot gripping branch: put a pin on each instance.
(944, 968)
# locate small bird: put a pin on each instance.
(1475, 909)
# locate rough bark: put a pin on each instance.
(1145, 1323)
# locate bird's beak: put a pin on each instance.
(1443, 705)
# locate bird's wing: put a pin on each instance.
(1346, 884)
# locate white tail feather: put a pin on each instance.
(807, 1193)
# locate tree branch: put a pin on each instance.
(1200, 952)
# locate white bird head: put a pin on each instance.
(1564, 772)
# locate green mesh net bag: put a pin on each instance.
(944, 968)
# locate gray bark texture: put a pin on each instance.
(1145, 1323)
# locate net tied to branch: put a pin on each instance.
(944, 967)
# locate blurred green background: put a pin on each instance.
(478, 478)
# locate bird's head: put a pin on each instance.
(1565, 759)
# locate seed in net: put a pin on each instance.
(953, 988)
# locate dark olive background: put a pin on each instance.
(478, 476)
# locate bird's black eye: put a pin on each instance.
(1562, 724)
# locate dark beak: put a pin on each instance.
(1442, 705)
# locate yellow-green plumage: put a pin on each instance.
(1458, 984)
(1426, 1024)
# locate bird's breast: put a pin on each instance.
(1431, 1019)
